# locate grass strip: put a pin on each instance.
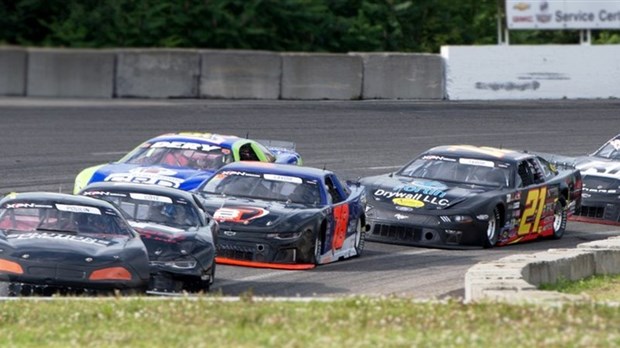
(351, 322)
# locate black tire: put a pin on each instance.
(318, 247)
(559, 220)
(360, 238)
(491, 235)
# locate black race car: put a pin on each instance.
(178, 234)
(601, 184)
(282, 216)
(471, 196)
(55, 243)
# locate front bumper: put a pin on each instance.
(599, 208)
(257, 250)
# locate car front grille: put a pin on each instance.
(236, 252)
(403, 233)
(592, 212)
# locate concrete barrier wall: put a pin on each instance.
(70, 73)
(155, 73)
(402, 76)
(240, 74)
(13, 71)
(321, 76)
(516, 278)
(532, 72)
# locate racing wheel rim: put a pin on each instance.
(491, 229)
(557, 220)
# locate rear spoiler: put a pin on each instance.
(278, 144)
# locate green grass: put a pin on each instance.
(599, 288)
(351, 322)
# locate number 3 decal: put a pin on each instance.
(535, 204)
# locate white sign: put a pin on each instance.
(563, 14)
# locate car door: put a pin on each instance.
(338, 220)
(537, 199)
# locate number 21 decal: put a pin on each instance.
(535, 204)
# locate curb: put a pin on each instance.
(516, 278)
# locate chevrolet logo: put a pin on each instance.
(230, 233)
(521, 6)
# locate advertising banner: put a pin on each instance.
(563, 14)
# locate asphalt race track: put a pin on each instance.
(46, 142)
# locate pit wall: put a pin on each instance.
(458, 73)
(217, 74)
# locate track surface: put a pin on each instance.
(46, 142)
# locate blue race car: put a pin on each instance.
(184, 160)
(285, 217)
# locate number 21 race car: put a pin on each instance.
(456, 196)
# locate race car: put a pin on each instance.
(178, 234)
(58, 243)
(284, 217)
(601, 184)
(184, 160)
(463, 196)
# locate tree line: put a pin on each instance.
(275, 25)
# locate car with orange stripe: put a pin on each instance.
(463, 195)
(56, 243)
(282, 216)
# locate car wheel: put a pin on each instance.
(360, 238)
(559, 221)
(493, 227)
(318, 248)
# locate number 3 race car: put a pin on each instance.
(287, 217)
(451, 196)
(184, 160)
(52, 242)
(178, 234)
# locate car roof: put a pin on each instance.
(141, 188)
(226, 141)
(56, 198)
(278, 169)
(479, 152)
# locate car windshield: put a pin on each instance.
(180, 154)
(459, 170)
(160, 209)
(269, 187)
(66, 218)
(611, 150)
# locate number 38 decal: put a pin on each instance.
(534, 207)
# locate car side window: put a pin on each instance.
(247, 153)
(530, 173)
(332, 190)
(268, 154)
(546, 168)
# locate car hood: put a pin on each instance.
(182, 178)
(58, 245)
(234, 212)
(596, 166)
(405, 193)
